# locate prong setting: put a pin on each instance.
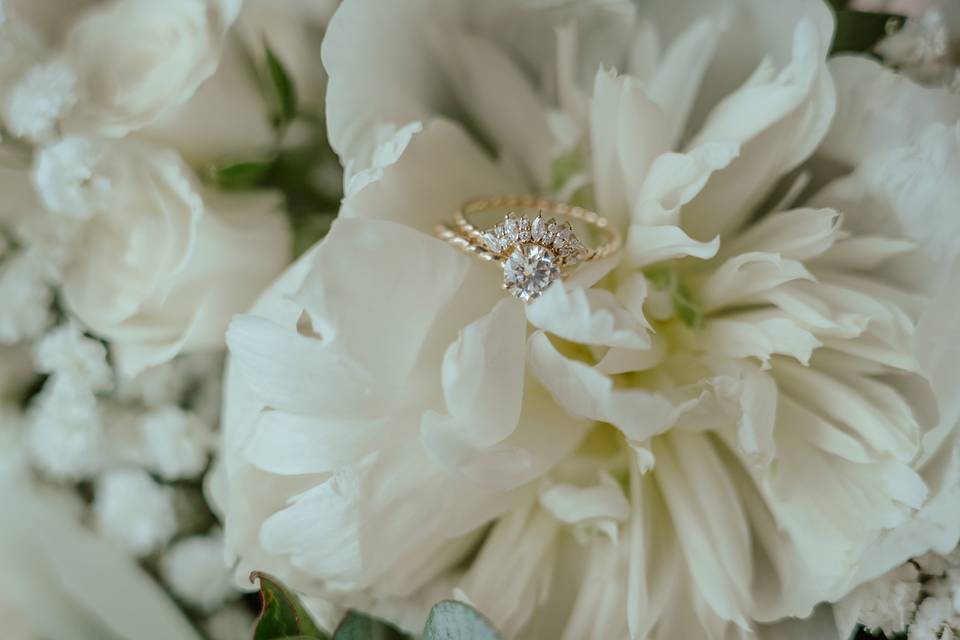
(532, 252)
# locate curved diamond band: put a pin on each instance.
(534, 250)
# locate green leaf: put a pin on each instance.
(282, 616)
(453, 620)
(309, 230)
(284, 91)
(237, 176)
(357, 626)
(686, 309)
(860, 31)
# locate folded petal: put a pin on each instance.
(649, 245)
(439, 169)
(880, 109)
(778, 119)
(586, 393)
(587, 316)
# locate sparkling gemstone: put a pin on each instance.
(523, 230)
(529, 270)
(564, 234)
(511, 229)
(492, 242)
(550, 231)
(537, 229)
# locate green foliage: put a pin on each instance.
(684, 305)
(282, 616)
(284, 93)
(237, 176)
(453, 620)
(860, 31)
(356, 626)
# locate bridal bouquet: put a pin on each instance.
(514, 319)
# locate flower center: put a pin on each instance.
(529, 270)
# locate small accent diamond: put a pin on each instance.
(550, 232)
(537, 230)
(511, 229)
(564, 234)
(492, 242)
(523, 230)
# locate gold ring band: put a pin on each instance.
(533, 253)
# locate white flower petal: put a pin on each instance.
(641, 132)
(439, 169)
(289, 443)
(585, 392)
(369, 270)
(482, 75)
(757, 334)
(675, 179)
(574, 504)
(47, 546)
(486, 361)
(798, 234)
(862, 253)
(348, 317)
(587, 316)
(523, 540)
(296, 373)
(778, 119)
(880, 109)
(608, 184)
(680, 72)
(617, 360)
(871, 411)
(748, 275)
(649, 245)
(168, 51)
(701, 496)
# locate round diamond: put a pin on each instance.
(529, 270)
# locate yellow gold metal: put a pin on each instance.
(465, 235)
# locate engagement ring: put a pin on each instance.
(535, 242)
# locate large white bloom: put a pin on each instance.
(158, 264)
(729, 423)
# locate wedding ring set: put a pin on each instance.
(535, 242)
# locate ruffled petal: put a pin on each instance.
(588, 316)
(585, 392)
(778, 119)
(648, 245)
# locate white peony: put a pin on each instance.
(158, 264)
(398, 431)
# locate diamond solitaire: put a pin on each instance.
(533, 252)
(529, 270)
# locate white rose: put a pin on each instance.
(229, 115)
(158, 265)
(137, 60)
(398, 431)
